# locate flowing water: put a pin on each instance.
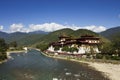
(35, 66)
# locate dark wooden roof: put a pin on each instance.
(81, 40)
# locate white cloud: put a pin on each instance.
(96, 28)
(16, 27)
(1, 27)
(49, 27)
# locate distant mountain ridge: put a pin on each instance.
(38, 32)
(21, 38)
(111, 33)
(40, 37)
(3, 35)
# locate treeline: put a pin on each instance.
(4, 47)
(110, 50)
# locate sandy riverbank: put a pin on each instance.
(112, 71)
(108, 69)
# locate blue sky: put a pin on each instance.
(31, 15)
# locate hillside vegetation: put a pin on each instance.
(22, 39)
(111, 33)
(53, 36)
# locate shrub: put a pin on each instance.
(115, 58)
(99, 56)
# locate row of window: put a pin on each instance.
(92, 41)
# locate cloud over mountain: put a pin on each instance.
(49, 27)
(1, 27)
(16, 27)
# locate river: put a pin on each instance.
(35, 66)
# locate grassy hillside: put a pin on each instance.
(81, 32)
(53, 36)
(30, 39)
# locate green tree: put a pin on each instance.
(116, 46)
(72, 49)
(65, 48)
(42, 47)
(69, 49)
(13, 44)
(107, 49)
(57, 47)
(3, 49)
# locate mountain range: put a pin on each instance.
(22, 38)
(111, 33)
(40, 37)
